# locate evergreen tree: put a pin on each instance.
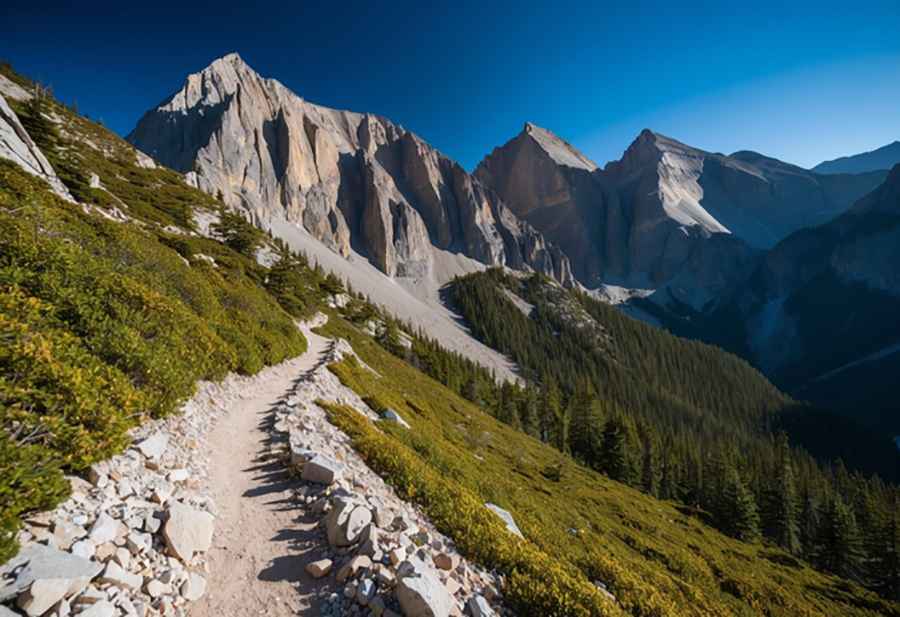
(583, 424)
(739, 513)
(781, 511)
(528, 413)
(840, 546)
(809, 531)
(617, 458)
(237, 233)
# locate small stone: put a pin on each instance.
(84, 549)
(105, 529)
(446, 561)
(114, 574)
(389, 415)
(100, 609)
(318, 569)
(154, 446)
(65, 534)
(479, 607)
(178, 476)
(506, 517)
(193, 588)
(350, 569)
(322, 470)
(365, 591)
(156, 588)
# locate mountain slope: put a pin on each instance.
(840, 278)
(884, 157)
(357, 182)
(649, 219)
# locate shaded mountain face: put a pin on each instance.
(666, 214)
(354, 181)
(882, 158)
(823, 304)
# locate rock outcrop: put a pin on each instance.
(354, 181)
(17, 146)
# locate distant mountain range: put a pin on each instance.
(884, 157)
(683, 237)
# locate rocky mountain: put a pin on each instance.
(665, 214)
(824, 301)
(355, 181)
(17, 146)
(881, 158)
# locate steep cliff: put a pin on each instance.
(357, 182)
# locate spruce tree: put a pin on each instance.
(781, 508)
(739, 513)
(840, 545)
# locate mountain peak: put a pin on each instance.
(884, 157)
(557, 148)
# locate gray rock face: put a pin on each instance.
(666, 213)
(354, 181)
(17, 146)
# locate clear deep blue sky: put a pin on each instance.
(802, 83)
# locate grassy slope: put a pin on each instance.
(105, 323)
(656, 559)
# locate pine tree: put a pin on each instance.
(840, 546)
(583, 424)
(809, 528)
(617, 459)
(740, 516)
(528, 413)
(651, 470)
(781, 511)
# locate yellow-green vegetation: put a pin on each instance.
(110, 313)
(655, 556)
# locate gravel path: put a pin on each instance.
(262, 541)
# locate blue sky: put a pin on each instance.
(803, 83)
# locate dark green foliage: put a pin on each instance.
(840, 545)
(237, 233)
(738, 514)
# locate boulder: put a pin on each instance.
(346, 521)
(187, 531)
(446, 561)
(420, 591)
(154, 447)
(506, 517)
(389, 415)
(321, 469)
(44, 576)
(353, 567)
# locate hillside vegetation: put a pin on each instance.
(111, 312)
(657, 558)
(680, 420)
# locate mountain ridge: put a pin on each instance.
(355, 181)
(884, 157)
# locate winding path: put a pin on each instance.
(262, 540)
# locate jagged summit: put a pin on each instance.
(355, 181)
(561, 151)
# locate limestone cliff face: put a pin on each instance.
(665, 214)
(355, 181)
(17, 146)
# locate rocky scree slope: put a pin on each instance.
(665, 214)
(357, 182)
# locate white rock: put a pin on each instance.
(154, 446)
(322, 469)
(420, 592)
(44, 576)
(187, 531)
(193, 588)
(346, 521)
(114, 574)
(389, 415)
(105, 529)
(507, 518)
(100, 609)
(84, 549)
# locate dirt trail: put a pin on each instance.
(262, 540)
